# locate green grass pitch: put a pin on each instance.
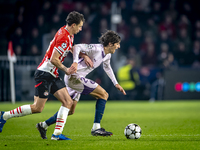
(173, 125)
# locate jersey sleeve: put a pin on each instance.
(108, 69)
(61, 45)
(84, 48)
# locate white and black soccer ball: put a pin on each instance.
(132, 131)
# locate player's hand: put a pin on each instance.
(120, 89)
(72, 69)
(88, 61)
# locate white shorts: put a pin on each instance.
(77, 85)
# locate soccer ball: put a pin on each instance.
(132, 131)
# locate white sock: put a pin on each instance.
(44, 125)
(61, 119)
(17, 112)
(96, 126)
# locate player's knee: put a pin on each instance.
(36, 109)
(105, 95)
(39, 110)
(68, 103)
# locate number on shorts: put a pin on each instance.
(85, 80)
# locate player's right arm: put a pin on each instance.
(56, 62)
(108, 69)
(120, 89)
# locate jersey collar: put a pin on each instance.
(68, 31)
(102, 52)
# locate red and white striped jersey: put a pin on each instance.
(62, 42)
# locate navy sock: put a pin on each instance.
(52, 120)
(100, 106)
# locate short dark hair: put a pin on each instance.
(109, 37)
(74, 17)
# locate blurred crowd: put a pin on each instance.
(161, 35)
(164, 33)
(156, 35)
(154, 32)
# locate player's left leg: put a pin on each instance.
(42, 126)
(86, 86)
(2, 121)
(23, 110)
(63, 96)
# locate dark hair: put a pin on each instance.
(74, 17)
(109, 37)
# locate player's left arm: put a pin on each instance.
(86, 58)
(108, 69)
(82, 50)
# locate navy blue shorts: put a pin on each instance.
(45, 83)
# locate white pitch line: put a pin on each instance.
(172, 135)
(152, 135)
(148, 135)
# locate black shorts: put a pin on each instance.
(45, 83)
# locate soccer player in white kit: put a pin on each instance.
(78, 84)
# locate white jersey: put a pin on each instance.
(97, 55)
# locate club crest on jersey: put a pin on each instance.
(46, 93)
(90, 46)
(64, 45)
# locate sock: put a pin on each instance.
(44, 125)
(61, 119)
(96, 126)
(17, 112)
(100, 107)
(52, 120)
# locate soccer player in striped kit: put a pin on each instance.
(78, 84)
(47, 77)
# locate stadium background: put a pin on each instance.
(162, 36)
